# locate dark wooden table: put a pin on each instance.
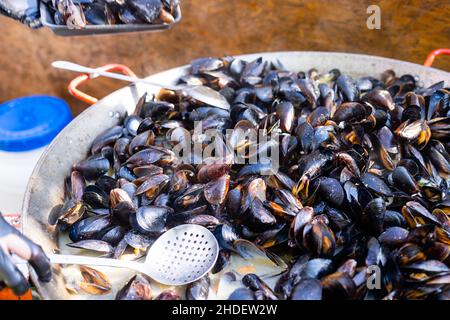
(409, 31)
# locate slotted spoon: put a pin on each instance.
(180, 256)
(201, 93)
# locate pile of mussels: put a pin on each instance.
(362, 189)
(76, 14)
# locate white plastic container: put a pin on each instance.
(27, 126)
(15, 170)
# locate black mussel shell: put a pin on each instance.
(106, 183)
(226, 234)
(331, 191)
(89, 228)
(393, 237)
(107, 137)
(373, 215)
(376, 184)
(198, 290)
(307, 289)
(403, 180)
(317, 268)
(222, 261)
(123, 211)
(147, 10)
(338, 285)
(138, 240)
(132, 123)
(93, 167)
(242, 294)
(114, 235)
(149, 219)
(95, 197)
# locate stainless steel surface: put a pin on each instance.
(61, 30)
(200, 93)
(95, 72)
(180, 256)
(45, 188)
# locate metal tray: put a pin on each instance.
(62, 30)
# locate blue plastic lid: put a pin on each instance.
(31, 122)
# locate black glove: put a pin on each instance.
(26, 11)
(12, 241)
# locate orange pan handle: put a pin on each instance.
(433, 54)
(75, 83)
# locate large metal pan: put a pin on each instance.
(45, 188)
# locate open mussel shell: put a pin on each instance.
(257, 217)
(439, 251)
(409, 254)
(93, 245)
(70, 213)
(168, 295)
(303, 217)
(94, 282)
(152, 185)
(137, 288)
(416, 214)
(253, 282)
(250, 251)
(216, 191)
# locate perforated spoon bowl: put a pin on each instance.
(180, 256)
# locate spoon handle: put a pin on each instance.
(71, 259)
(66, 65)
